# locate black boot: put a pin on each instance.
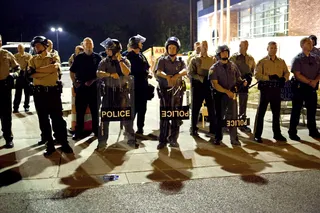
(9, 145)
(49, 150)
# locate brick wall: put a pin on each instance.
(304, 17)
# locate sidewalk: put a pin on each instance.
(25, 169)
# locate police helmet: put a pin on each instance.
(135, 40)
(39, 39)
(221, 49)
(112, 44)
(314, 39)
(173, 40)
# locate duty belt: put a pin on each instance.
(39, 88)
(269, 84)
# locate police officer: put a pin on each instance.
(246, 65)
(9, 69)
(306, 69)
(170, 71)
(78, 49)
(314, 49)
(83, 75)
(51, 50)
(114, 70)
(196, 51)
(140, 71)
(22, 82)
(226, 79)
(201, 89)
(272, 73)
(44, 69)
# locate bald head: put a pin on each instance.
(50, 45)
(243, 47)
(20, 48)
(88, 45)
(204, 47)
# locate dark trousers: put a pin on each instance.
(48, 104)
(140, 108)
(86, 96)
(6, 110)
(272, 96)
(226, 109)
(309, 97)
(202, 91)
(243, 100)
(21, 84)
(169, 129)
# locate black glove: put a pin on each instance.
(248, 77)
(273, 77)
(282, 81)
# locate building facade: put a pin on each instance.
(251, 19)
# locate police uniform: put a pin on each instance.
(201, 90)
(170, 96)
(7, 64)
(71, 59)
(85, 68)
(115, 93)
(47, 99)
(315, 51)
(271, 76)
(227, 75)
(22, 82)
(139, 69)
(309, 67)
(246, 65)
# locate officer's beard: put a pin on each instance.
(224, 59)
(172, 55)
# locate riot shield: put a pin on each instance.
(116, 105)
(173, 109)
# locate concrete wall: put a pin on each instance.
(304, 17)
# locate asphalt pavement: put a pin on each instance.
(282, 192)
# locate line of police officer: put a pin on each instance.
(218, 84)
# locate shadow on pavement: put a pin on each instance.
(171, 169)
(292, 155)
(81, 180)
(234, 160)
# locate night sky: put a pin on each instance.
(98, 19)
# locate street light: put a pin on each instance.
(57, 30)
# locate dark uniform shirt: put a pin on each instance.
(245, 63)
(139, 69)
(85, 66)
(166, 65)
(112, 66)
(226, 74)
(307, 66)
(315, 51)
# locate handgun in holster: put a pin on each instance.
(60, 86)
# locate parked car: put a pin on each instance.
(13, 47)
(65, 67)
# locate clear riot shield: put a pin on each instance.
(116, 105)
(173, 109)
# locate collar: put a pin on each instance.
(276, 58)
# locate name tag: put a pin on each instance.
(177, 113)
(116, 114)
(237, 122)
